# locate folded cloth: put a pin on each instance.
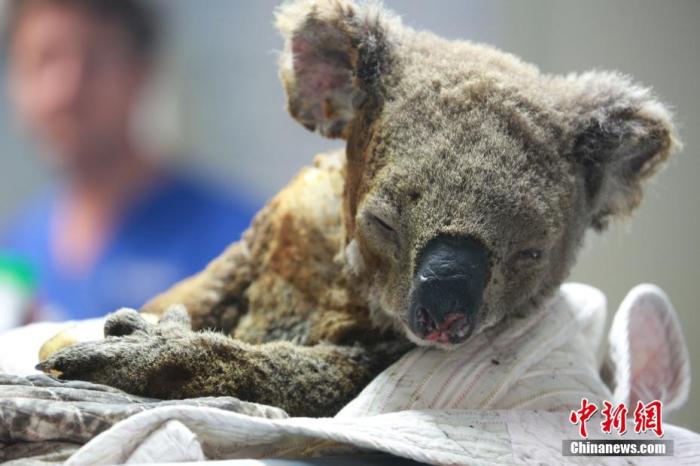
(546, 360)
(442, 437)
(503, 397)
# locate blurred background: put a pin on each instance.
(215, 108)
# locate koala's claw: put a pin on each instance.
(77, 360)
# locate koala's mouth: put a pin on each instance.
(454, 329)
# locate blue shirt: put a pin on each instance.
(171, 232)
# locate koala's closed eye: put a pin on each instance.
(381, 231)
(383, 225)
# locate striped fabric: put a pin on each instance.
(546, 361)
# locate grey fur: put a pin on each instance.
(443, 138)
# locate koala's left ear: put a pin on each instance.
(334, 55)
(621, 135)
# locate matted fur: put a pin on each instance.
(442, 138)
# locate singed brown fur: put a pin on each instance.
(443, 138)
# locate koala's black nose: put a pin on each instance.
(448, 288)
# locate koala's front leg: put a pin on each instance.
(167, 361)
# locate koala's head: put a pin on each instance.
(471, 178)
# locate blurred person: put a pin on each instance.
(119, 226)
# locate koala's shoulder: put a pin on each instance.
(300, 292)
(313, 199)
(300, 232)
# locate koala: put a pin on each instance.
(466, 185)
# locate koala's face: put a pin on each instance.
(471, 178)
(462, 222)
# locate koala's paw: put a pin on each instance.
(136, 356)
(120, 323)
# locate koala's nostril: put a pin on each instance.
(425, 320)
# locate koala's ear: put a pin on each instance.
(621, 135)
(334, 55)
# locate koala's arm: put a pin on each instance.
(171, 362)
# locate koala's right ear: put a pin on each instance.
(334, 56)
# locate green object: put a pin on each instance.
(17, 273)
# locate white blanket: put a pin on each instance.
(502, 398)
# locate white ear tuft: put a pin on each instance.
(648, 350)
(621, 136)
